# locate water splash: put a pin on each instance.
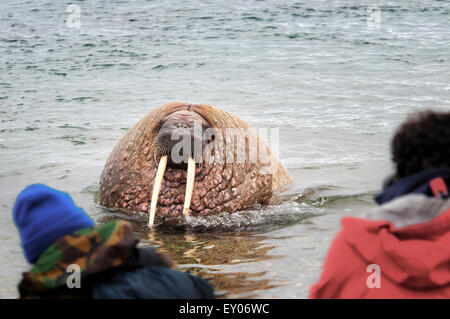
(256, 219)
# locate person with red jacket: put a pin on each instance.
(402, 250)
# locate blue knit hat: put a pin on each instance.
(43, 215)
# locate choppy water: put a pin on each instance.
(335, 84)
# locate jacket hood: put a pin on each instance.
(409, 240)
(417, 183)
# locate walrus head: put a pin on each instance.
(172, 163)
(187, 126)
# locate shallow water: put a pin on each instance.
(335, 87)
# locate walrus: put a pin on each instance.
(214, 170)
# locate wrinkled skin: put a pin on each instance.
(127, 178)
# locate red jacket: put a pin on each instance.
(413, 260)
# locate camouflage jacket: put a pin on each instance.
(95, 252)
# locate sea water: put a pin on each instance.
(335, 78)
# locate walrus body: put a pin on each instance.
(221, 185)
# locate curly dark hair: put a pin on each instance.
(422, 142)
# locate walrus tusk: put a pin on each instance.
(189, 185)
(156, 188)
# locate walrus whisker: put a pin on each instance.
(189, 185)
(156, 187)
(154, 147)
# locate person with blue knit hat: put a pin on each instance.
(72, 258)
(43, 215)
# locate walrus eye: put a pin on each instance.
(159, 125)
